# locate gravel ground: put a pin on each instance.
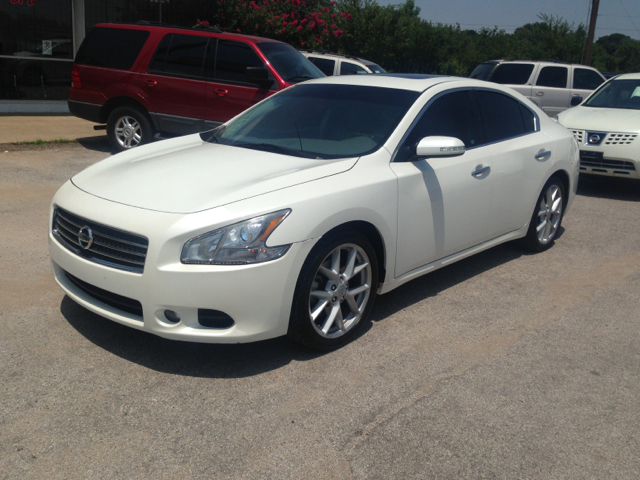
(505, 365)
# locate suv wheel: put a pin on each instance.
(128, 127)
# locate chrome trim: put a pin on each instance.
(37, 58)
(139, 245)
(542, 155)
(481, 170)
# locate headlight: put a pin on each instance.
(238, 244)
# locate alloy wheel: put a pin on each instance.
(128, 132)
(549, 214)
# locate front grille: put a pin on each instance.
(110, 247)
(579, 135)
(620, 138)
(114, 300)
(604, 163)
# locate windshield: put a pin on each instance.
(319, 121)
(617, 94)
(292, 66)
(482, 71)
(375, 68)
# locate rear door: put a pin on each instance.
(327, 65)
(174, 83)
(228, 91)
(517, 75)
(350, 68)
(584, 82)
(552, 89)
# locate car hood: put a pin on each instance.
(601, 119)
(186, 175)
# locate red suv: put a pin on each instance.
(142, 80)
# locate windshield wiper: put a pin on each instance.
(268, 147)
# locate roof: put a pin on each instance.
(417, 82)
(628, 76)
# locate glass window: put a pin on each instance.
(501, 116)
(347, 68)
(180, 55)
(375, 68)
(512, 73)
(232, 59)
(451, 115)
(112, 47)
(290, 64)
(482, 71)
(528, 118)
(617, 94)
(555, 77)
(36, 49)
(326, 65)
(320, 121)
(584, 79)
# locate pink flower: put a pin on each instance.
(320, 21)
(303, 21)
(325, 9)
(318, 40)
(332, 3)
(334, 26)
(282, 31)
(338, 33)
(302, 43)
(325, 31)
(294, 23)
(312, 26)
(284, 24)
(300, 28)
(333, 16)
(342, 14)
(349, 17)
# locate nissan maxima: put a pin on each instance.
(290, 218)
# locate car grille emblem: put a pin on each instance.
(85, 237)
(594, 138)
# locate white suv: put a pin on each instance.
(336, 64)
(553, 86)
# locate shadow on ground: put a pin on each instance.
(242, 360)
(99, 143)
(612, 188)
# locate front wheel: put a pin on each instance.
(547, 216)
(128, 127)
(335, 292)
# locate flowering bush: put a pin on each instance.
(314, 24)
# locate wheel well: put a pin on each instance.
(372, 233)
(564, 178)
(116, 102)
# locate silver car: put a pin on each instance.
(552, 86)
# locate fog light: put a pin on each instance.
(172, 316)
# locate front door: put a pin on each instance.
(443, 207)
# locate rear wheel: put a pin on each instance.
(127, 128)
(547, 216)
(335, 292)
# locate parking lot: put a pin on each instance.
(504, 365)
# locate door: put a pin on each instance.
(520, 154)
(518, 76)
(443, 207)
(327, 65)
(228, 91)
(174, 84)
(585, 81)
(551, 90)
(350, 68)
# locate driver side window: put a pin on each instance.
(450, 115)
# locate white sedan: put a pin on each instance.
(290, 218)
(607, 125)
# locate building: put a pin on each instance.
(39, 38)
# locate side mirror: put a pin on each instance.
(258, 76)
(576, 100)
(440, 147)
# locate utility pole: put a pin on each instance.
(592, 31)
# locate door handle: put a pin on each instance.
(151, 83)
(221, 92)
(543, 155)
(539, 93)
(480, 170)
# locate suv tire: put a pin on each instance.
(127, 128)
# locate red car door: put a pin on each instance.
(228, 91)
(174, 83)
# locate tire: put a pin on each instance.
(127, 128)
(547, 216)
(328, 295)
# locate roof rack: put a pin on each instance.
(169, 25)
(327, 52)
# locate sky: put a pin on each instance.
(614, 16)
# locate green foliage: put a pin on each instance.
(395, 36)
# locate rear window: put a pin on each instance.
(482, 71)
(555, 77)
(512, 73)
(111, 47)
(327, 66)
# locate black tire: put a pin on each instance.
(124, 125)
(545, 210)
(302, 328)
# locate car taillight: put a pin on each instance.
(76, 82)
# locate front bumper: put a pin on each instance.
(257, 297)
(619, 159)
